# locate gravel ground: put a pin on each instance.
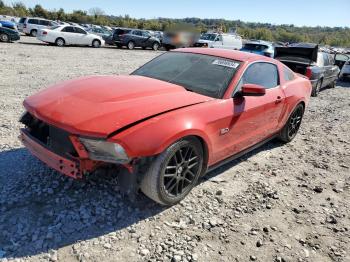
(278, 203)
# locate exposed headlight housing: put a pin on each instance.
(101, 150)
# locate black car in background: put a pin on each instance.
(132, 38)
(8, 35)
(305, 59)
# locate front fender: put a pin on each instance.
(153, 136)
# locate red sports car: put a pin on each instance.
(169, 122)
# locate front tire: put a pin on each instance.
(131, 45)
(96, 43)
(172, 175)
(4, 37)
(317, 88)
(290, 129)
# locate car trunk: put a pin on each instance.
(298, 58)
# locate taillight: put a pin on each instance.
(308, 72)
(24, 25)
(44, 33)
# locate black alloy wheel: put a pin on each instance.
(180, 171)
(173, 173)
(294, 122)
(291, 127)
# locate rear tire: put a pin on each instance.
(155, 46)
(173, 173)
(131, 45)
(33, 33)
(333, 84)
(60, 42)
(290, 129)
(317, 88)
(4, 38)
(96, 43)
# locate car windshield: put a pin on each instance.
(202, 74)
(255, 47)
(54, 27)
(209, 37)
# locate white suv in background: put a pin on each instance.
(220, 40)
(31, 25)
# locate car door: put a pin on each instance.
(68, 35)
(146, 39)
(256, 118)
(218, 42)
(81, 37)
(137, 37)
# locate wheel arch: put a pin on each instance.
(136, 146)
(301, 101)
(60, 37)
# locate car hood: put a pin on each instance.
(100, 105)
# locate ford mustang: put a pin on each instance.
(172, 120)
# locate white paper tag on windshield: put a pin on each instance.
(225, 63)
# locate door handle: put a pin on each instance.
(278, 100)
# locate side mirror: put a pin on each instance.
(253, 90)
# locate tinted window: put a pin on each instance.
(21, 21)
(255, 47)
(44, 22)
(209, 37)
(139, 33)
(79, 30)
(33, 21)
(288, 74)
(263, 74)
(68, 29)
(203, 74)
(121, 31)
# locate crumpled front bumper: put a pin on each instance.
(72, 167)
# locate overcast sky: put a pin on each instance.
(298, 12)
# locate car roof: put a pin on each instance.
(258, 42)
(226, 53)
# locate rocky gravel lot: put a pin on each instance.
(278, 203)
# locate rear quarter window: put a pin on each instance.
(288, 74)
(44, 22)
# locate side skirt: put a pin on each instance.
(238, 155)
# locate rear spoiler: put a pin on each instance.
(306, 52)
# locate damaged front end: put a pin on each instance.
(57, 148)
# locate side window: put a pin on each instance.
(68, 29)
(79, 30)
(325, 59)
(136, 32)
(146, 34)
(331, 59)
(33, 21)
(263, 74)
(219, 38)
(44, 22)
(288, 74)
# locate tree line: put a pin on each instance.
(333, 36)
